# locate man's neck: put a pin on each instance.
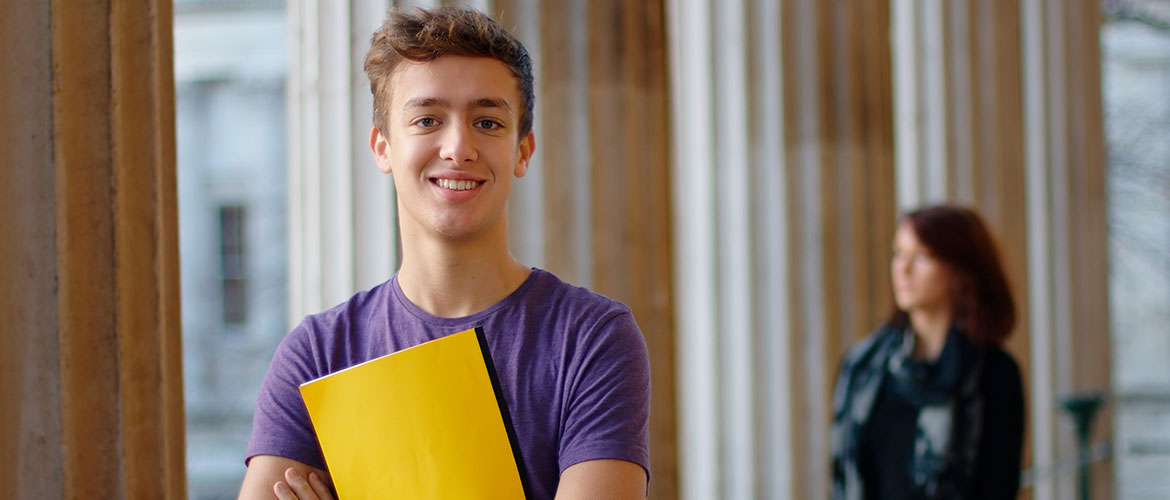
(456, 279)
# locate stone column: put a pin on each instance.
(595, 208)
(784, 209)
(89, 253)
(1067, 258)
(999, 108)
(343, 231)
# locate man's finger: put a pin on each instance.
(283, 492)
(299, 484)
(319, 487)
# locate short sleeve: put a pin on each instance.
(280, 424)
(608, 397)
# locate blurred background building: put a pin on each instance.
(1135, 57)
(731, 169)
(231, 68)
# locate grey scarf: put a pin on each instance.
(949, 411)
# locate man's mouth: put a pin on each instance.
(455, 185)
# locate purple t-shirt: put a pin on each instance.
(572, 365)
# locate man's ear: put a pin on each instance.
(527, 147)
(380, 147)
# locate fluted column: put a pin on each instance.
(839, 140)
(30, 431)
(89, 253)
(999, 108)
(1067, 259)
(595, 208)
(343, 233)
(784, 206)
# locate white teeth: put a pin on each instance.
(455, 185)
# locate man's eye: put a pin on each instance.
(488, 124)
(426, 122)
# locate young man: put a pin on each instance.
(453, 100)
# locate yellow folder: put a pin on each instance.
(428, 422)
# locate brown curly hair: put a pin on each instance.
(422, 35)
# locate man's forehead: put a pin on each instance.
(455, 81)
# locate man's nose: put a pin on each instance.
(458, 145)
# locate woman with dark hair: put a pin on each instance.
(930, 406)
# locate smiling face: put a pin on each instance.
(452, 145)
(921, 282)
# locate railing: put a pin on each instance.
(1081, 410)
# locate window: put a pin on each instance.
(233, 273)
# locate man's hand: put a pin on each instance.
(296, 487)
(270, 477)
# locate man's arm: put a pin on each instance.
(602, 479)
(264, 471)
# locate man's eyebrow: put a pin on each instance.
(485, 102)
(425, 102)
